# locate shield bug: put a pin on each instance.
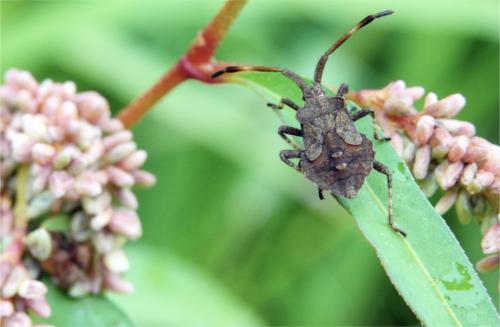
(335, 156)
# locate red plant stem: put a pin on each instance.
(196, 63)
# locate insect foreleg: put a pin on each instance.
(381, 168)
(286, 155)
(284, 101)
(365, 112)
(284, 130)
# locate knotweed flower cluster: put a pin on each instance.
(443, 153)
(67, 169)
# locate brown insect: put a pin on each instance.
(335, 156)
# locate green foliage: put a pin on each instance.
(91, 311)
(225, 206)
(429, 268)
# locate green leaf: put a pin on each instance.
(428, 268)
(179, 294)
(58, 223)
(88, 311)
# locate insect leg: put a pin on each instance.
(283, 130)
(342, 90)
(381, 168)
(365, 112)
(286, 155)
(320, 194)
(284, 101)
(362, 113)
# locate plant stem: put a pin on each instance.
(196, 63)
(21, 217)
(13, 251)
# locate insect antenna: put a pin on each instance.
(233, 69)
(365, 21)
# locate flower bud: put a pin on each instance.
(19, 319)
(458, 147)
(6, 308)
(446, 202)
(39, 244)
(113, 140)
(21, 80)
(25, 102)
(40, 307)
(32, 289)
(428, 185)
(422, 160)
(105, 242)
(491, 240)
(101, 219)
(79, 227)
(5, 269)
(127, 198)
(126, 222)
(94, 205)
(60, 183)
(119, 177)
(477, 154)
(120, 151)
(21, 147)
(468, 174)
(463, 208)
(133, 160)
(41, 178)
(488, 264)
(409, 152)
(40, 204)
(115, 283)
(143, 178)
(424, 129)
(483, 179)
(35, 127)
(440, 142)
(448, 173)
(87, 185)
(447, 107)
(66, 112)
(116, 261)
(92, 106)
(11, 285)
(80, 288)
(110, 126)
(430, 98)
(457, 127)
(64, 157)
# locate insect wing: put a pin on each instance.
(345, 128)
(313, 141)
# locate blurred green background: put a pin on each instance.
(231, 235)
